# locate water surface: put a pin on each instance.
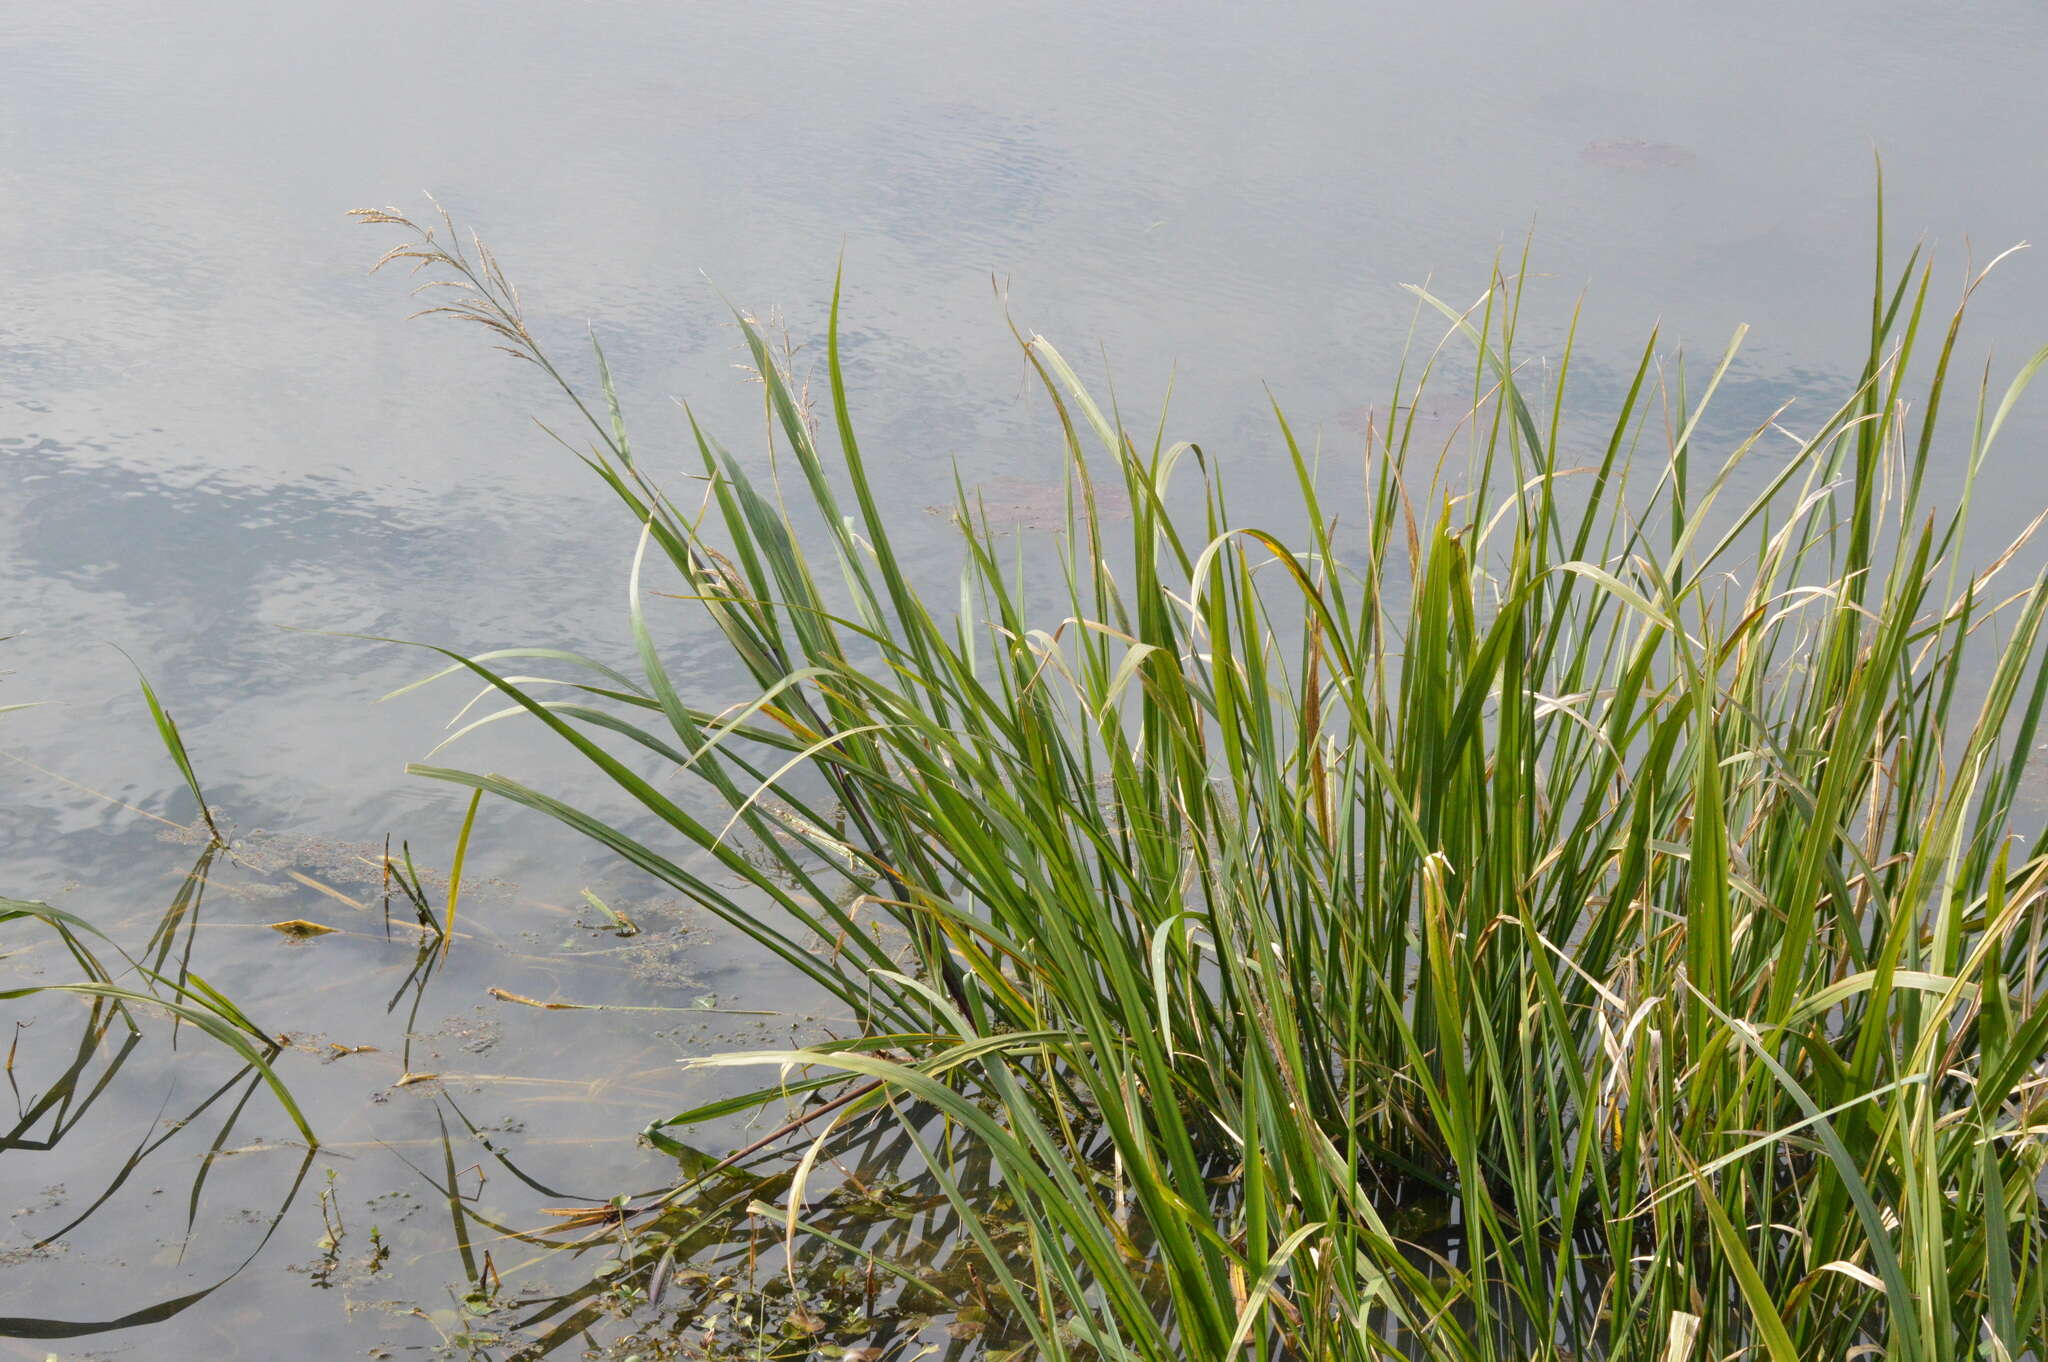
(214, 424)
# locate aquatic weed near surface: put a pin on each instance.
(1627, 862)
(114, 993)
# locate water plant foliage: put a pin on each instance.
(1559, 897)
(116, 991)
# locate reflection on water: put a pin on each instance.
(478, 1186)
(457, 1116)
(213, 425)
(56, 1108)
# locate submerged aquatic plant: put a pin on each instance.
(1629, 862)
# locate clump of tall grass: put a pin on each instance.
(1630, 863)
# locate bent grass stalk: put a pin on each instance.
(1626, 856)
(174, 745)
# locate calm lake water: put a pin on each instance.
(217, 431)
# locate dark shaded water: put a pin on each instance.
(212, 424)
